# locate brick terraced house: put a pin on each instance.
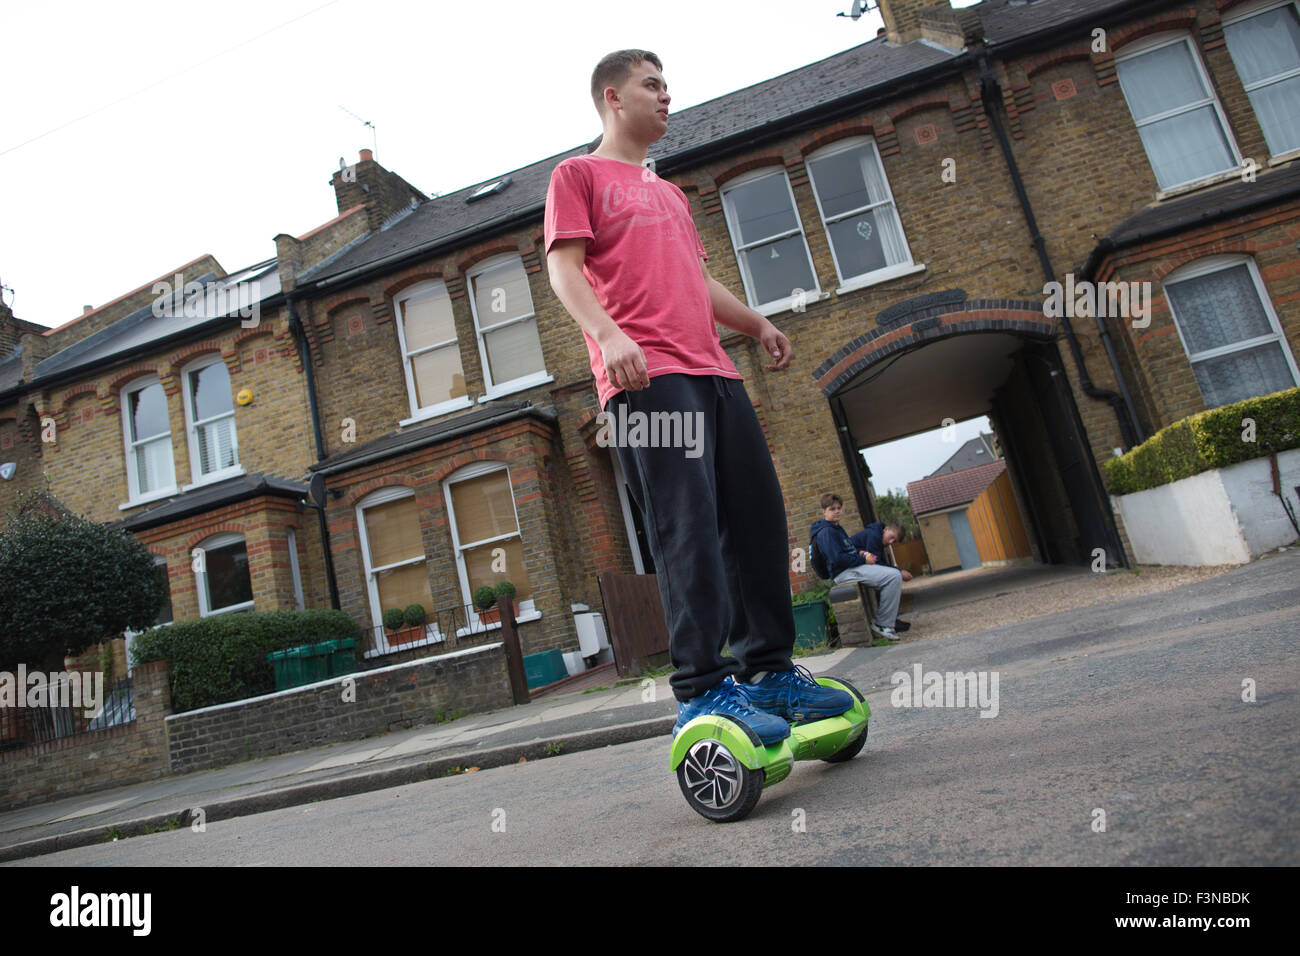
(896, 209)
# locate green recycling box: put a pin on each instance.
(810, 624)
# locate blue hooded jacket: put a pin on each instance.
(834, 542)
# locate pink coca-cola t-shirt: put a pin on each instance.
(642, 262)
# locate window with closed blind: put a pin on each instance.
(509, 344)
(426, 331)
(485, 532)
(392, 547)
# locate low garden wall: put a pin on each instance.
(1221, 516)
(362, 704)
(158, 743)
(97, 760)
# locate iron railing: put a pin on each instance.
(446, 629)
(63, 717)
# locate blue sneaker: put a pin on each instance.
(794, 695)
(725, 700)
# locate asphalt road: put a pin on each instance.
(1134, 709)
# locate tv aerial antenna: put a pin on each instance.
(374, 134)
(860, 7)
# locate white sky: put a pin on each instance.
(137, 136)
(209, 134)
(895, 463)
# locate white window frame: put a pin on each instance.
(419, 290)
(1202, 267)
(1245, 12)
(1158, 41)
(134, 496)
(526, 610)
(431, 633)
(531, 380)
(728, 208)
(191, 428)
(201, 577)
(848, 283)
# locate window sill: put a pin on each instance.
(1281, 159)
(148, 499)
(1174, 191)
(495, 625)
(246, 606)
(518, 385)
(880, 276)
(788, 304)
(215, 477)
(436, 411)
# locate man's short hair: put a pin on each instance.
(829, 499)
(613, 69)
(898, 528)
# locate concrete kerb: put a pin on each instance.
(407, 771)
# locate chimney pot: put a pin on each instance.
(367, 155)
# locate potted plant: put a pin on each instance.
(507, 589)
(484, 598)
(410, 627)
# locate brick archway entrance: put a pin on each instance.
(946, 357)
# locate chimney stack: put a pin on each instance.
(366, 183)
(903, 17)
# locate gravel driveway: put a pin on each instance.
(964, 601)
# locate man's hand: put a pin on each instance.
(871, 558)
(907, 575)
(776, 345)
(624, 361)
(734, 314)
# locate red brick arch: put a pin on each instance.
(836, 133)
(458, 462)
(917, 106)
(376, 484)
(754, 162)
(1172, 20)
(1077, 51)
(973, 316)
(224, 527)
(1187, 256)
(487, 250)
(126, 376)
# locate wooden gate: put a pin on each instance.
(634, 620)
(910, 556)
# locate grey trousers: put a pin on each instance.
(888, 580)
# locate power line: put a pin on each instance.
(167, 79)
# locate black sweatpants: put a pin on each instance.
(716, 527)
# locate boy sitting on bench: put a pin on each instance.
(860, 559)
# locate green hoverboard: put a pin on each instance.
(722, 766)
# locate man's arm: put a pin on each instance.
(625, 363)
(734, 314)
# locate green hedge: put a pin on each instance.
(219, 659)
(1210, 439)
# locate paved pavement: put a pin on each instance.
(556, 723)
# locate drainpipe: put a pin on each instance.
(304, 355)
(1129, 429)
